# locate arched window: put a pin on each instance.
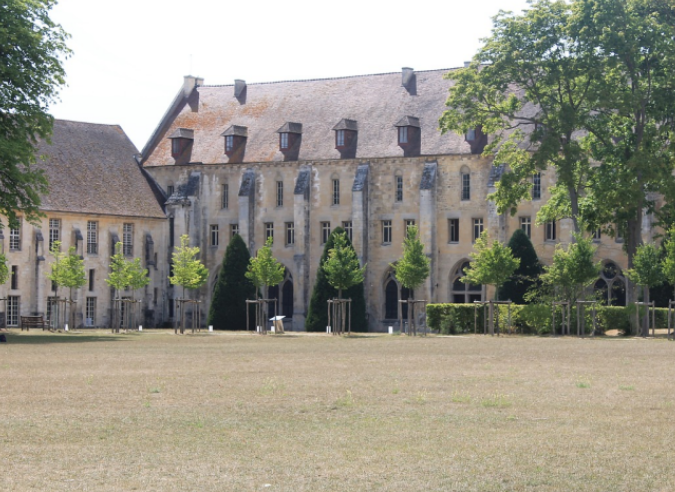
(405, 295)
(287, 299)
(612, 285)
(391, 300)
(461, 292)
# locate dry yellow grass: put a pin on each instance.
(154, 411)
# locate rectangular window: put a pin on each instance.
(618, 233)
(597, 235)
(128, 239)
(234, 230)
(453, 230)
(92, 272)
(50, 301)
(154, 296)
(526, 226)
(325, 232)
(283, 140)
(402, 134)
(466, 186)
(229, 143)
(550, 231)
(92, 237)
(386, 231)
(171, 233)
(214, 235)
(15, 277)
(269, 230)
(90, 312)
(13, 310)
(169, 190)
(290, 233)
(336, 192)
(408, 223)
(347, 226)
(175, 147)
(340, 138)
(54, 231)
(399, 188)
(536, 186)
(280, 193)
(14, 239)
(477, 228)
(225, 203)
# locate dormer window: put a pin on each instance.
(235, 142)
(476, 139)
(340, 138)
(289, 140)
(471, 135)
(345, 138)
(409, 135)
(181, 139)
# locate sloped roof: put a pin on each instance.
(91, 169)
(376, 102)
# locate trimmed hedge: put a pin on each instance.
(453, 319)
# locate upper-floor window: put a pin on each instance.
(229, 143)
(408, 223)
(15, 277)
(347, 226)
(269, 230)
(92, 274)
(399, 188)
(225, 198)
(169, 190)
(235, 142)
(340, 138)
(466, 186)
(290, 233)
(402, 134)
(283, 140)
(408, 129)
(54, 232)
(280, 193)
(477, 228)
(386, 231)
(597, 235)
(526, 225)
(536, 186)
(15, 239)
(181, 139)
(325, 232)
(551, 233)
(453, 230)
(345, 138)
(92, 237)
(476, 139)
(215, 235)
(289, 140)
(128, 239)
(336, 192)
(234, 230)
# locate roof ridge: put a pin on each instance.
(86, 122)
(321, 79)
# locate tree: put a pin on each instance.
(343, 270)
(188, 271)
(228, 305)
(317, 315)
(668, 263)
(4, 271)
(412, 269)
(31, 74)
(125, 273)
(264, 271)
(490, 264)
(527, 273)
(647, 272)
(67, 271)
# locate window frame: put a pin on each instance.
(399, 188)
(234, 230)
(284, 141)
(550, 231)
(15, 239)
(525, 225)
(478, 228)
(335, 189)
(90, 311)
(14, 277)
(225, 196)
(403, 135)
(466, 187)
(536, 186)
(92, 237)
(325, 231)
(269, 231)
(214, 235)
(92, 278)
(406, 224)
(54, 231)
(339, 138)
(128, 239)
(348, 226)
(387, 235)
(289, 233)
(453, 230)
(280, 193)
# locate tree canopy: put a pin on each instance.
(4, 271)
(412, 269)
(490, 264)
(342, 267)
(527, 273)
(264, 270)
(188, 271)
(126, 273)
(68, 268)
(31, 74)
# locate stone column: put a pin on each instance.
(301, 249)
(428, 226)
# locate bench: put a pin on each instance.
(28, 322)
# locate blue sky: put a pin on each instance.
(130, 56)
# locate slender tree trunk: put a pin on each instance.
(645, 327)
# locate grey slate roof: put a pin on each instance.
(91, 169)
(375, 102)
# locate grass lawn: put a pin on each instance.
(154, 411)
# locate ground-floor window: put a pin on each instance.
(464, 293)
(611, 286)
(13, 303)
(90, 312)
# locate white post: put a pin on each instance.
(328, 329)
(140, 327)
(210, 327)
(391, 330)
(66, 327)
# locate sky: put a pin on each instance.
(130, 56)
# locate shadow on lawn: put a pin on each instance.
(22, 339)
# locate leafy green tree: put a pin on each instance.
(67, 270)
(490, 264)
(317, 314)
(125, 273)
(4, 271)
(668, 263)
(228, 306)
(527, 273)
(647, 272)
(264, 271)
(188, 271)
(412, 269)
(31, 74)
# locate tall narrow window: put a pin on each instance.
(92, 237)
(551, 231)
(536, 186)
(340, 138)
(13, 303)
(408, 223)
(234, 230)
(280, 193)
(54, 231)
(336, 192)
(128, 239)
(477, 228)
(597, 235)
(214, 235)
(269, 230)
(399, 188)
(386, 231)
(526, 226)
(453, 230)
(466, 186)
(90, 312)
(229, 143)
(15, 277)
(172, 241)
(169, 190)
(226, 196)
(92, 272)
(290, 233)
(402, 134)
(347, 226)
(15, 239)
(325, 232)
(283, 140)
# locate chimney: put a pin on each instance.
(466, 64)
(408, 77)
(190, 83)
(239, 87)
